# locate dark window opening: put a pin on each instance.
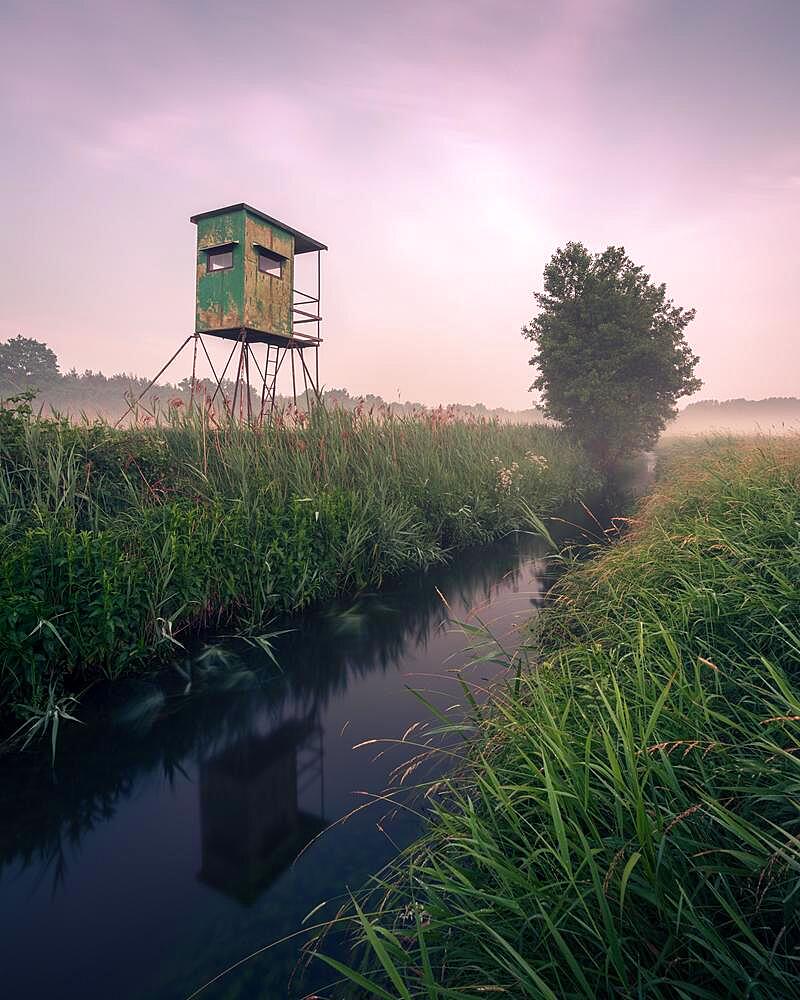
(270, 263)
(219, 260)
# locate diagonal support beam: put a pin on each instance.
(150, 385)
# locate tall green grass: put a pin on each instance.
(115, 545)
(625, 817)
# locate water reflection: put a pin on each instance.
(161, 848)
(251, 825)
(137, 727)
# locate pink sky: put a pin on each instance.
(442, 150)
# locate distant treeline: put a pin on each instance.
(30, 364)
(776, 414)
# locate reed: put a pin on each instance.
(624, 819)
(116, 545)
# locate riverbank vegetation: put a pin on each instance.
(116, 545)
(624, 819)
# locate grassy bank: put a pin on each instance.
(625, 821)
(116, 544)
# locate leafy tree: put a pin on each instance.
(24, 361)
(611, 353)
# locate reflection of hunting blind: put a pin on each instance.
(246, 294)
(252, 826)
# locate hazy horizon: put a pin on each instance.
(442, 151)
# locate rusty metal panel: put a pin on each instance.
(267, 298)
(220, 294)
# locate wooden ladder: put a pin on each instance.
(271, 366)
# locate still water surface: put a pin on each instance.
(161, 849)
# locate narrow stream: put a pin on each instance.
(160, 850)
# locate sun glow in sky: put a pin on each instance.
(442, 150)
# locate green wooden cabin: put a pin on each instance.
(245, 274)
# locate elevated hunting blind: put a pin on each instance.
(245, 275)
(245, 293)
